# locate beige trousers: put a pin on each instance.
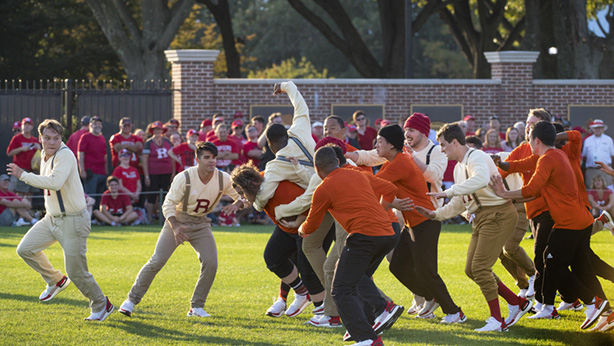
(71, 232)
(202, 241)
(513, 257)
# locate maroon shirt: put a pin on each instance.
(115, 206)
(119, 139)
(159, 160)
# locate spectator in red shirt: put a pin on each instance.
(205, 127)
(492, 145)
(599, 196)
(128, 176)
(366, 134)
(124, 139)
(228, 150)
(11, 204)
(73, 141)
(157, 161)
(218, 118)
(251, 150)
(173, 128)
(16, 128)
(470, 125)
(92, 154)
(495, 124)
(237, 132)
(184, 154)
(23, 147)
(115, 207)
(317, 131)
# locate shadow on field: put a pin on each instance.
(34, 299)
(157, 333)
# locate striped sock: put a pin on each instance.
(298, 287)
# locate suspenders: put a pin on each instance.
(428, 160)
(188, 185)
(477, 200)
(303, 149)
(58, 193)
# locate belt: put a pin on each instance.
(64, 214)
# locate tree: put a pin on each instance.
(140, 34)
(290, 69)
(333, 21)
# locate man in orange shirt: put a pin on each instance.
(371, 237)
(569, 241)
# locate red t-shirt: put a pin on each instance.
(115, 206)
(8, 195)
(366, 140)
(227, 146)
(119, 139)
(492, 150)
(603, 200)
(73, 141)
(129, 177)
(186, 154)
(24, 158)
(210, 137)
(247, 147)
(95, 150)
(159, 160)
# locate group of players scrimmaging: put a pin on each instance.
(319, 192)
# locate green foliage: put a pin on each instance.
(290, 69)
(241, 293)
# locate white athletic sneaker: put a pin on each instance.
(198, 312)
(325, 321)
(547, 312)
(103, 314)
(126, 308)
(575, 306)
(517, 311)
(531, 290)
(593, 311)
(318, 310)
(606, 218)
(386, 319)
(298, 305)
(522, 293)
(609, 324)
(376, 342)
(52, 291)
(428, 308)
(458, 317)
(427, 317)
(492, 325)
(34, 220)
(601, 322)
(277, 309)
(21, 222)
(416, 305)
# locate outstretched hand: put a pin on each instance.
(437, 194)
(605, 168)
(425, 212)
(277, 89)
(496, 182)
(402, 204)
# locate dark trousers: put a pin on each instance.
(278, 252)
(602, 269)
(414, 264)
(352, 282)
(569, 248)
(541, 226)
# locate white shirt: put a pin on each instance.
(598, 149)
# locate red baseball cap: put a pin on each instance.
(192, 133)
(378, 122)
(157, 125)
(352, 128)
(17, 125)
(468, 117)
(26, 120)
(384, 122)
(124, 152)
(206, 122)
(237, 123)
(238, 114)
(174, 121)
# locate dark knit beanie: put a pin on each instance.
(394, 135)
(419, 122)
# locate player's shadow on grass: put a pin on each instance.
(33, 299)
(157, 333)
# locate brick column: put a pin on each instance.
(192, 75)
(515, 71)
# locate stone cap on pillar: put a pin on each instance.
(182, 55)
(518, 56)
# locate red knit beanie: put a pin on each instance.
(419, 122)
(333, 140)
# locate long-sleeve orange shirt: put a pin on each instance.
(555, 181)
(573, 149)
(519, 164)
(403, 172)
(352, 198)
(285, 193)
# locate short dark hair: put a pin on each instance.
(475, 140)
(259, 118)
(276, 133)
(111, 179)
(450, 132)
(326, 159)
(559, 127)
(205, 146)
(338, 118)
(247, 177)
(545, 131)
(338, 152)
(357, 114)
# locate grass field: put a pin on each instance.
(242, 291)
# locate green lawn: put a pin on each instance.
(243, 290)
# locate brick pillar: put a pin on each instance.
(515, 71)
(192, 75)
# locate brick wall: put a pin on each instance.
(509, 94)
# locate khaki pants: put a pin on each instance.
(313, 249)
(202, 241)
(330, 309)
(71, 232)
(492, 226)
(513, 257)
